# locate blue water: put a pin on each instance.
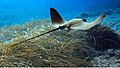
(20, 11)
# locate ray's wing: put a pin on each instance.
(84, 25)
(56, 18)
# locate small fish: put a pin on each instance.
(60, 23)
(78, 24)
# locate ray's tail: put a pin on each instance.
(36, 36)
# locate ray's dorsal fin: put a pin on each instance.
(56, 17)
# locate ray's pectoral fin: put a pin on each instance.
(56, 18)
(85, 25)
(96, 21)
(99, 19)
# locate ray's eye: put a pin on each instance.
(84, 20)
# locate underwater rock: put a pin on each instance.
(113, 53)
(109, 58)
(117, 11)
(95, 13)
(101, 61)
(102, 38)
(108, 12)
(77, 43)
(88, 14)
(83, 15)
